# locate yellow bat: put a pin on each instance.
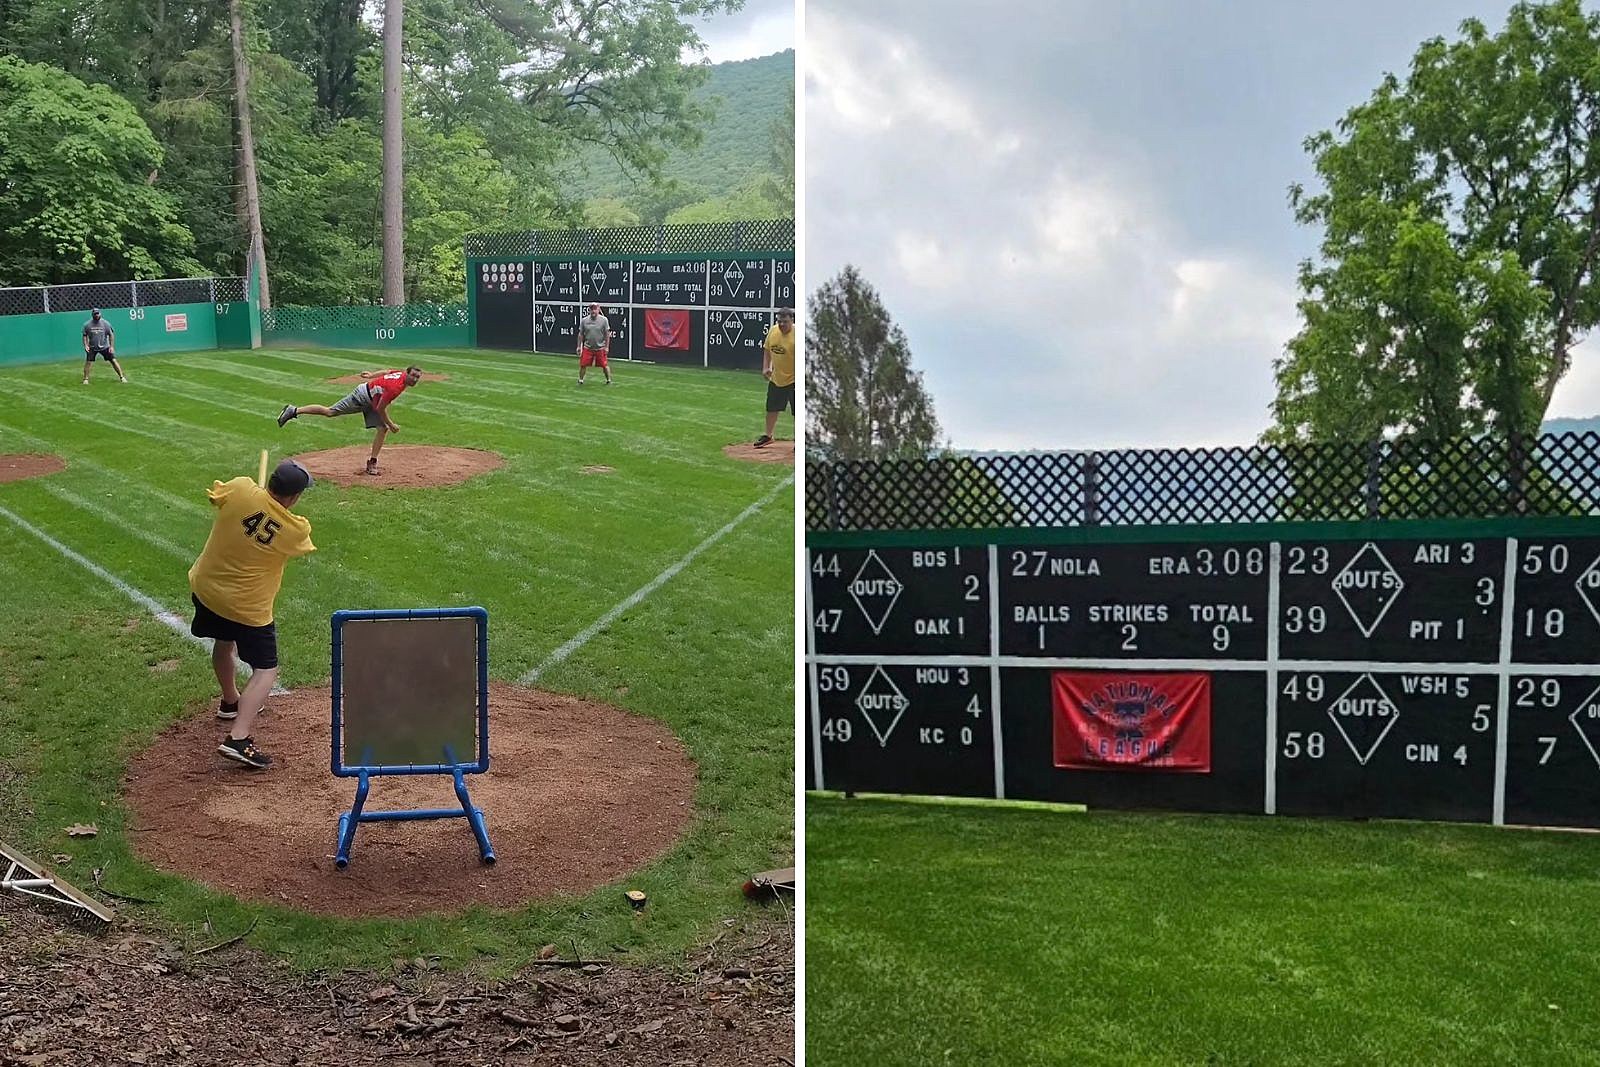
(261, 479)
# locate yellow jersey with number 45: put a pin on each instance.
(252, 537)
(783, 348)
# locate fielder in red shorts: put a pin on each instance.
(594, 343)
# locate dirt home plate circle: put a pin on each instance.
(578, 794)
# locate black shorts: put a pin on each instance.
(107, 354)
(780, 397)
(258, 645)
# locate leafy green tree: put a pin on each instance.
(753, 200)
(863, 398)
(76, 197)
(1460, 236)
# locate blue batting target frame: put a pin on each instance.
(364, 772)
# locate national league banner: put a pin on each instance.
(1106, 720)
(666, 329)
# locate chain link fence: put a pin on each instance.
(82, 296)
(376, 317)
(1549, 475)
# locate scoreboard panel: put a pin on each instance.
(1436, 677)
(534, 305)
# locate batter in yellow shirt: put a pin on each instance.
(239, 571)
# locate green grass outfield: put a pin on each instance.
(967, 935)
(547, 549)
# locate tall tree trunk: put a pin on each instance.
(394, 264)
(247, 148)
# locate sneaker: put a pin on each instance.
(244, 750)
(763, 441)
(86, 381)
(372, 467)
(124, 381)
(228, 711)
(580, 381)
(608, 381)
(286, 414)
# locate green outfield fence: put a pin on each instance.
(43, 323)
(399, 326)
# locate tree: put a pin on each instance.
(77, 200)
(247, 150)
(1460, 213)
(863, 399)
(779, 185)
(394, 219)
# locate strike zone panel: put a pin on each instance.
(906, 729)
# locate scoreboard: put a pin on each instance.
(730, 303)
(1441, 670)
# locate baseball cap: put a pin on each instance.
(290, 478)
(94, 311)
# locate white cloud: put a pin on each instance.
(1049, 293)
(759, 29)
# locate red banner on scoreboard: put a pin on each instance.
(666, 329)
(1119, 721)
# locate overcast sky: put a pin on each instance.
(760, 28)
(1077, 209)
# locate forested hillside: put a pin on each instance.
(119, 139)
(749, 99)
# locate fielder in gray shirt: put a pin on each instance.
(594, 343)
(98, 339)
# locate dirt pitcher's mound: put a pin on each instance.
(14, 467)
(356, 379)
(577, 795)
(401, 466)
(775, 452)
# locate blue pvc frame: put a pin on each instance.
(363, 773)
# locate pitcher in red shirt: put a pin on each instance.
(378, 390)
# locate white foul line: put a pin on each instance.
(166, 618)
(645, 590)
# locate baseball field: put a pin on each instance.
(965, 934)
(639, 588)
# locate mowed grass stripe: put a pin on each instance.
(722, 390)
(567, 394)
(563, 391)
(457, 411)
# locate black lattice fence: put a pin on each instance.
(1550, 475)
(163, 292)
(735, 238)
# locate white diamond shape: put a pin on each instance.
(1591, 704)
(1376, 574)
(549, 318)
(733, 328)
(733, 275)
(1393, 717)
(883, 703)
(598, 277)
(547, 278)
(879, 587)
(1589, 582)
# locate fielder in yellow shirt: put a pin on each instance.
(778, 355)
(234, 585)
